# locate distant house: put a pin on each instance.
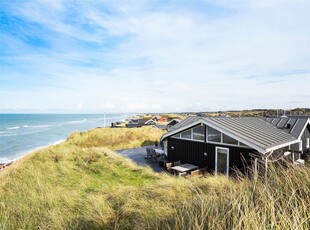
(167, 126)
(156, 118)
(297, 126)
(223, 144)
(133, 121)
(160, 126)
(136, 123)
(172, 123)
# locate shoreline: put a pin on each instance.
(6, 162)
(4, 165)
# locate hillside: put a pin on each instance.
(81, 184)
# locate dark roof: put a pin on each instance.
(185, 122)
(142, 121)
(134, 120)
(293, 125)
(173, 121)
(160, 126)
(133, 125)
(255, 132)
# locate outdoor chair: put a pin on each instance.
(162, 157)
(154, 155)
(148, 154)
(195, 173)
(202, 171)
(168, 167)
(183, 174)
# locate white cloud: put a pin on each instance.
(170, 58)
(80, 106)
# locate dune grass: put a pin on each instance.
(80, 184)
(118, 138)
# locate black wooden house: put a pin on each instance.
(224, 143)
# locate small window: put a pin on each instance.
(199, 133)
(308, 142)
(177, 135)
(240, 143)
(300, 145)
(187, 134)
(229, 140)
(214, 135)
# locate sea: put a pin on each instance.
(23, 133)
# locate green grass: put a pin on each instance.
(80, 184)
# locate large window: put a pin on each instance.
(187, 134)
(214, 135)
(199, 133)
(229, 140)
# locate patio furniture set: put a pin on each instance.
(155, 154)
(185, 170)
(175, 168)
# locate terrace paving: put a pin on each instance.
(137, 155)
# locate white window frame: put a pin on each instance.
(206, 138)
(308, 142)
(198, 134)
(222, 143)
(227, 161)
(300, 145)
(229, 137)
(191, 138)
(221, 135)
(192, 135)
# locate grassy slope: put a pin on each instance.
(115, 139)
(81, 184)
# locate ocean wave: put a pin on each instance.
(25, 126)
(4, 134)
(15, 127)
(40, 126)
(76, 122)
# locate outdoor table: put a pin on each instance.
(184, 168)
(159, 151)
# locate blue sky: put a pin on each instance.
(153, 56)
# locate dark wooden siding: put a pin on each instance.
(295, 147)
(193, 152)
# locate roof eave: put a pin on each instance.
(279, 146)
(166, 135)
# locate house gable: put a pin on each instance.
(252, 132)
